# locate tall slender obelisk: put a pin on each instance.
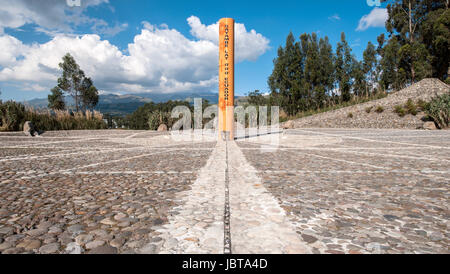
(226, 78)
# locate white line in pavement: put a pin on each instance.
(371, 140)
(125, 172)
(355, 151)
(258, 223)
(60, 142)
(70, 171)
(302, 171)
(196, 226)
(428, 174)
(79, 153)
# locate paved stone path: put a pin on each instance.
(318, 191)
(361, 191)
(258, 223)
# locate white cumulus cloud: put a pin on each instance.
(53, 16)
(249, 44)
(159, 59)
(376, 18)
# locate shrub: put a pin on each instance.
(157, 118)
(369, 109)
(350, 115)
(379, 109)
(411, 108)
(421, 104)
(400, 110)
(154, 120)
(13, 115)
(438, 109)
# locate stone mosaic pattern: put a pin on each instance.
(91, 191)
(371, 191)
(320, 191)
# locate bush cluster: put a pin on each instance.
(438, 109)
(379, 109)
(13, 115)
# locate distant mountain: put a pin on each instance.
(125, 104)
(183, 96)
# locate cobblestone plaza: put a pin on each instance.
(318, 191)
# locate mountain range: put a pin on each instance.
(119, 105)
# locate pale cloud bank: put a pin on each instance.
(159, 59)
(376, 18)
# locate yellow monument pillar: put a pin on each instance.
(226, 78)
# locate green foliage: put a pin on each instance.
(56, 99)
(344, 67)
(13, 116)
(151, 115)
(411, 108)
(255, 98)
(74, 82)
(353, 102)
(369, 66)
(155, 119)
(379, 109)
(439, 110)
(350, 115)
(369, 109)
(400, 110)
(421, 29)
(421, 104)
(89, 94)
(392, 78)
(307, 72)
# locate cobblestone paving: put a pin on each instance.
(363, 191)
(91, 191)
(196, 225)
(320, 191)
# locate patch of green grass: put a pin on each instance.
(421, 104)
(411, 108)
(400, 110)
(369, 109)
(379, 109)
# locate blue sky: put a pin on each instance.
(140, 46)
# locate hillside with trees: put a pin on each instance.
(308, 75)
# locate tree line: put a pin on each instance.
(308, 74)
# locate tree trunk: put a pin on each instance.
(76, 102)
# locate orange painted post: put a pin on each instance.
(226, 78)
